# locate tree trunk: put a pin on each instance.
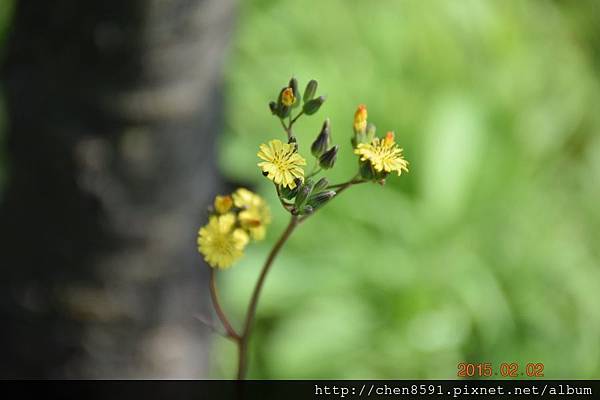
(113, 107)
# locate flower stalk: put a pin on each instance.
(243, 216)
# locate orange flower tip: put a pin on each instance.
(389, 138)
(253, 223)
(360, 118)
(223, 204)
(361, 112)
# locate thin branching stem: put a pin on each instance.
(231, 333)
(354, 181)
(250, 314)
(287, 129)
(296, 117)
(242, 338)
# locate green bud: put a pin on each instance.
(312, 106)
(284, 111)
(306, 210)
(364, 137)
(311, 89)
(366, 170)
(319, 199)
(320, 185)
(357, 138)
(322, 141)
(370, 135)
(288, 193)
(294, 85)
(327, 160)
(273, 107)
(303, 194)
(380, 176)
(279, 97)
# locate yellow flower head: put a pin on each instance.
(282, 164)
(287, 97)
(223, 204)
(360, 118)
(254, 215)
(383, 154)
(220, 242)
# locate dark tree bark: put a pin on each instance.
(113, 108)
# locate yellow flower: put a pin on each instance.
(287, 97)
(383, 154)
(223, 204)
(254, 215)
(220, 242)
(282, 163)
(360, 119)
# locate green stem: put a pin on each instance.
(296, 117)
(340, 188)
(316, 169)
(354, 181)
(250, 314)
(231, 333)
(288, 130)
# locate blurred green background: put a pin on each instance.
(488, 250)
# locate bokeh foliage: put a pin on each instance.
(487, 251)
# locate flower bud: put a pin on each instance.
(320, 199)
(360, 119)
(327, 160)
(312, 106)
(370, 135)
(322, 141)
(287, 97)
(366, 170)
(303, 194)
(389, 139)
(311, 89)
(283, 111)
(306, 210)
(296, 93)
(223, 204)
(273, 107)
(320, 185)
(288, 193)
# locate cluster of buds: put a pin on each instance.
(290, 98)
(304, 195)
(321, 149)
(307, 196)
